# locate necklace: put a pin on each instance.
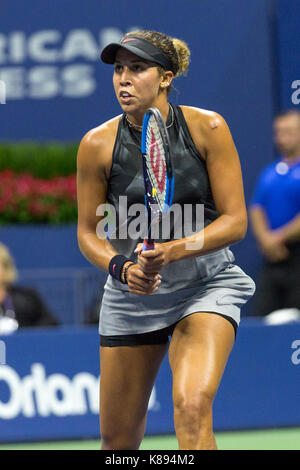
(136, 126)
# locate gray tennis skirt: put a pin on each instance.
(125, 313)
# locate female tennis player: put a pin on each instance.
(186, 288)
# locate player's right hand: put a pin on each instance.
(140, 282)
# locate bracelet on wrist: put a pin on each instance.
(125, 272)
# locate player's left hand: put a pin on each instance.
(152, 261)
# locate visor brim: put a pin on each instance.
(108, 55)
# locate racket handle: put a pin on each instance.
(148, 245)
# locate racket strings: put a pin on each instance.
(155, 161)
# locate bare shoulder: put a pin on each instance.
(204, 126)
(96, 146)
(207, 120)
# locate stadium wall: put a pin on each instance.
(49, 384)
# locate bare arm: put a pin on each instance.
(92, 180)
(290, 232)
(270, 243)
(259, 223)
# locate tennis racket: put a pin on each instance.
(157, 168)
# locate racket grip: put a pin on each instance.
(147, 245)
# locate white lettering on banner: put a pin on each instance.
(11, 409)
(43, 82)
(296, 94)
(14, 81)
(18, 50)
(78, 81)
(2, 353)
(41, 46)
(296, 354)
(39, 395)
(2, 48)
(51, 47)
(80, 43)
(2, 92)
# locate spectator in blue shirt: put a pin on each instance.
(275, 220)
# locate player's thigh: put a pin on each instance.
(127, 377)
(198, 353)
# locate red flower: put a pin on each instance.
(35, 198)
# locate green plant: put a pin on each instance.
(40, 160)
(38, 183)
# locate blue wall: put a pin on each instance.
(42, 246)
(56, 93)
(46, 394)
(288, 53)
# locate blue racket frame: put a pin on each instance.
(150, 200)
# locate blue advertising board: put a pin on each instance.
(288, 37)
(49, 384)
(49, 387)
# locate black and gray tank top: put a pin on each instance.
(193, 207)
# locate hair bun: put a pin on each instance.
(183, 54)
(176, 49)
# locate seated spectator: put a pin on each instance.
(275, 219)
(24, 305)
